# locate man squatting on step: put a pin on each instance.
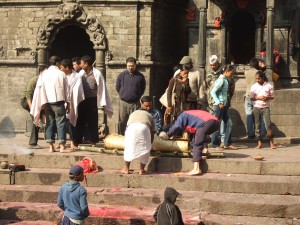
(199, 124)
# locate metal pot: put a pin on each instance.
(4, 164)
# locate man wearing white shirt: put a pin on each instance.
(55, 95)
(96, 95)
(75, 95)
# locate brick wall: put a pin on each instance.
(151, 31)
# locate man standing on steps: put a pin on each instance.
(199, 123)
(96, 95)
(196, 99)
(76, 95)
(130, 85)
(54, 94)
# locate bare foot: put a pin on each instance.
(258, 147)
(124, 171)
(62, 147)
(51, 148)
(273, 146)
(143, 172)
(194, 173)
(74, 146)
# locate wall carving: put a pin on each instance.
(72, 12)
(1, 51)
(146, 53)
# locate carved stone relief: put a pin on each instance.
(1, 51)
(146, 53)
(74, 12)
(108, 56)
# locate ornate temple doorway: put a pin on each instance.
(71, 41)
(242, 37)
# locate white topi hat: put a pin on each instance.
(213, 59)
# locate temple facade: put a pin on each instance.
(156, 32)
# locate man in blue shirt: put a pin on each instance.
(130, 85)
(146, 104)
(221, 104)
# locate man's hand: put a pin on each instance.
(170, 110)
(221, 106)
(163, 135)
(68, 108)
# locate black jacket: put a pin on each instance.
(167, 213)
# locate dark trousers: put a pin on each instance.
(66, 221)
(207, 128)
(87, 116)
(125, 109)
(34, 130)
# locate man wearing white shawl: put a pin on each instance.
(76, 96)
(96, 95)
(139, 136)
(53, 93)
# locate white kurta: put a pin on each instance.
(137, 142)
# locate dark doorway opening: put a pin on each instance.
(71, 41)
(242, 37)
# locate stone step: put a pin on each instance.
(22, 222)
(282, 161)
(97, 195)
(100, 214)
(235, 204)
(213, 219)
(214, 182)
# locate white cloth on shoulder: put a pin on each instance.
(103, 99)
(137, 142)
(76, 95)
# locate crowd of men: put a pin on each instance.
(69, 92)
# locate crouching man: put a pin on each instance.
(199, 123)
(139, 136)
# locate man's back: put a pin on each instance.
(55, 85)
(196, 82)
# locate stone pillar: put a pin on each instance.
(258, 37)
(223, 44)
(202, 7)
(42, 55)
(102, 120)
(202, 38)
(100, 60)
(270, 39)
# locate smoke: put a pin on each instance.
(7, 146)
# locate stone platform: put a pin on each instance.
(233, 190)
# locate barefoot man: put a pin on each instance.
(261, 93)
(199, 124)
(139, 136)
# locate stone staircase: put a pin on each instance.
(234, 190)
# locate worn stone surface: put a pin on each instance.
(234, 190)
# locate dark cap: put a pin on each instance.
(76, 170)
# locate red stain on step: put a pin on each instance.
(121, 213)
